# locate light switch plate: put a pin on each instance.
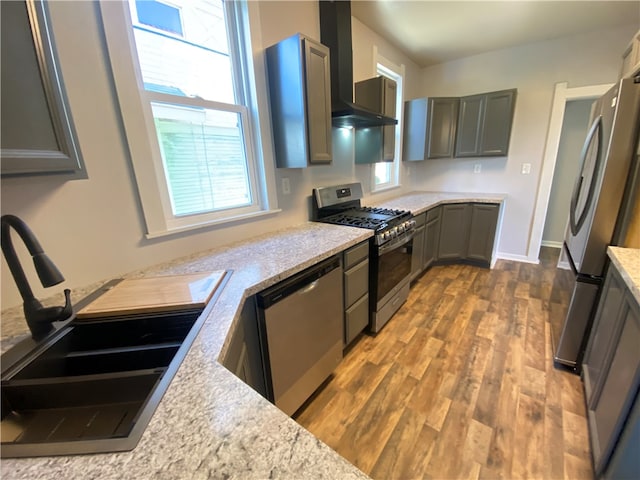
(526, 168)
(477, 168)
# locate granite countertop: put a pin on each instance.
(419, 202)
(209, 423)
(627, 262)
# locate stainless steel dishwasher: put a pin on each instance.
(301, 330)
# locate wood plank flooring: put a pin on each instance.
(459, 384)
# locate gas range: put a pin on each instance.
(341, 205)
(390, 250)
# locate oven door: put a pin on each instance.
(393, 264)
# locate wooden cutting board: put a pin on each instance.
(155, 294)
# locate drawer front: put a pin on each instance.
(356, 283)
(420, 219)
(356, 254)
(356, 318)
(433, 214)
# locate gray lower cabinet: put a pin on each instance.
(431, 237)
(430, 128)
(356, 290)
(300, 97)
(484, 220)
(467, 232)
(244, 357)
(484, 124)
(611, 373)
(625, 461)
(454, 231)
(417, 252)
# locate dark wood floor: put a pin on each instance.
(459, 384)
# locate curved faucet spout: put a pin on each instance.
(39, 318)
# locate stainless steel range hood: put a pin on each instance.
(335, 33)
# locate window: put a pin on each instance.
(386, 174)
(185, 80)
(159, 15)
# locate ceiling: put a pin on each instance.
(431, 32)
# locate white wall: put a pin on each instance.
(533, 69)
(94, 229)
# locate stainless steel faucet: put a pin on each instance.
(39, 318)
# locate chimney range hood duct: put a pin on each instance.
(335, 33)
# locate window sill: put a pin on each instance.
(211, 223)
(385, 189)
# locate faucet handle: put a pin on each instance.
(67, 310)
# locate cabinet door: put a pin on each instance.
(468, 139)
(417, 252)
(37, 132)
(454, 231)
(484, 219)
(431, 242)
(441, 127)
(605, 325)
(415, 130)
(318, 101)
(244, 356)
(610, 409)
(496, 123)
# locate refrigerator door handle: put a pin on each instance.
(576, 224)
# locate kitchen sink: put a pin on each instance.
(94, 384)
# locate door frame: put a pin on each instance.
(561, 96)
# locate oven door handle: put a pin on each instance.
(393, 245)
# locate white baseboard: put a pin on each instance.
(564, 265)
(516, 258)
(551, 243)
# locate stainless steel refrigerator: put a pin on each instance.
(601, 204)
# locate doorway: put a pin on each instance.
(561, 96)
(573, 133)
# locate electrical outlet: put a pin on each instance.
(526, 168)
(286, 186)
(477, 168)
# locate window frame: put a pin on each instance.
(135, 106)
(389, 69)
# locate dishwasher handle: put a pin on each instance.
(301, 283)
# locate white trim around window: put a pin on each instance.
(383, 66)
(144, 148)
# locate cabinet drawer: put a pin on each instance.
(356, 283)
(356, 254)
(433, 214)
(420, 220)
(355, 319)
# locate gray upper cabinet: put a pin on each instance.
(376, 144)
(37, 132)
(300, 97)
(430, 128)
(484, 124)
(469, 123)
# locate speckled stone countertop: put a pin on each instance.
(627, 262)
(418, 202)
(210, 424)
